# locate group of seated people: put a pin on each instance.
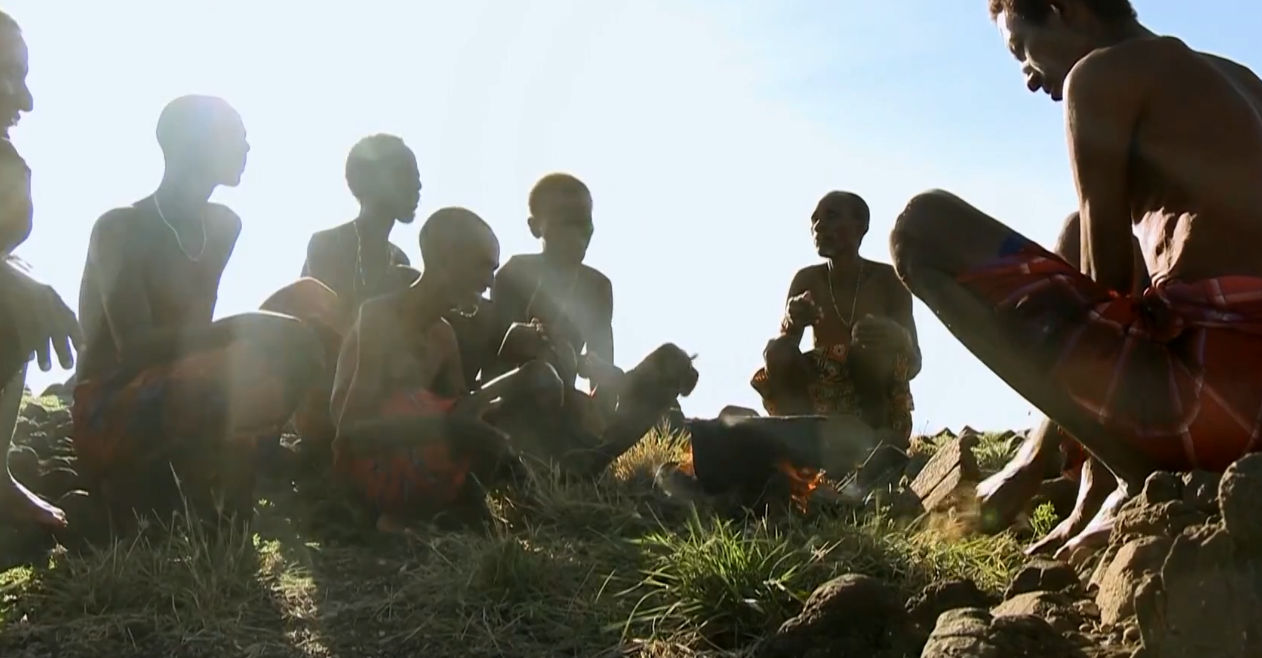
(1137, 335)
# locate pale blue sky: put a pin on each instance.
(706, 129)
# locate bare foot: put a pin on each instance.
(1007, 493)
(1096, 534)
(19, 504)
(1095, 486)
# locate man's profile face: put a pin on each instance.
(228, 149)
(405, 187)
(836, 228)
(1045, 51)
(15, 96)
(471, 272)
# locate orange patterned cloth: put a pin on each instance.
(832, 390)
(317, 305)
(425, 476)
(174, 410)
(1175, 373)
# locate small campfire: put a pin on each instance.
(802, 481)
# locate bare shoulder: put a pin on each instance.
(222, 219)
(322, 238)
(398, 256)
(516, 266)
(597, 278)
(1125, 67)
(804, 277)
(884, 276)
(114, 224)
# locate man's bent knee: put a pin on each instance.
(919, 230)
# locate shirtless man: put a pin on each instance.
(550, 307)
(33, 318)
(410, 435)
(351, 263)
(865, 352)
(159, 381)
(1164, 141)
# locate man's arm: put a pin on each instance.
(1104, 94)
(901, 312)
(601, 341)
(801, 283)
(354, 373)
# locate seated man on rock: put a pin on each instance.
(411, 440)
(865, 349)
(351, 263)
(160, 385)
(550, 307)
(33, 318)
(1165, 142)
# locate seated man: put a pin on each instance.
(410, 434)
(159, 382)
(550, 307)
(1164, 140)
(865, 350)
(351, 263)
(33, 318)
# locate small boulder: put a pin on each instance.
(937, 598)
(950, 476)
(1042, 574)
(975, 633)
(849, 615)
(1136, 559)
(1240, 500)
(1055, 607)
(1200, 490)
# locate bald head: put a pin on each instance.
(15, 96)
(205, 135)
(847, 203)
(557, 187)
(461, 251)
(381, 172)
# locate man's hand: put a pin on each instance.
(802, 312)
(882, 335)
(44, 323)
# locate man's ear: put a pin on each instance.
(534, 227)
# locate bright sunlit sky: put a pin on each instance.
(706, 129)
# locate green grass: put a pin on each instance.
(605, 569)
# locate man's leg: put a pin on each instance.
(16, 501)
(787, 373)
(938, 237)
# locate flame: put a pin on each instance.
(802, 482)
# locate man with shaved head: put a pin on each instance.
(33, 318)
(161, 385)
(865, 348)
(351, 263)
(409, 432)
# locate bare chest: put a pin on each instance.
(841, 303)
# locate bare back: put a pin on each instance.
(1193, 180)
(137, 281)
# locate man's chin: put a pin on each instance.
(406, 218)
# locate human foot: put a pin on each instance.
(1096, 534)
(1004, 495)
(18, 503)
(1094, 489)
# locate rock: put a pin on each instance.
(1045, 575)
(736, 411)
(35, 413)
(1054, 607)
(849, 615)
(1121, 577)
(1240, 502)
(975, 633)
(1205, 602)
(937, 598)
(950, 476)
(1140, 518)
(1161, 487)
(1200, 490)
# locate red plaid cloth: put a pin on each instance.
(1175, 373)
